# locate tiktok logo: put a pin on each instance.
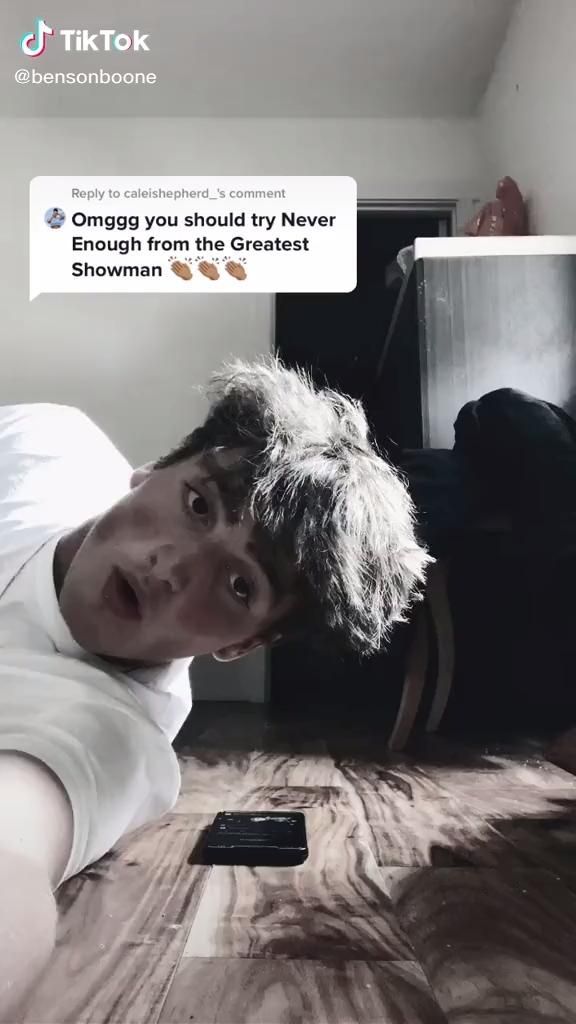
(33, 43)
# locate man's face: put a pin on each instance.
(165, 574)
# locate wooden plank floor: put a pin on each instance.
(438, 889)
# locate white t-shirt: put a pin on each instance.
(106, 734)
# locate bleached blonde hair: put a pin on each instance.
(320, 491)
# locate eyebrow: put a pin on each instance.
(231, 487)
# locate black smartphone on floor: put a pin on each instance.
(258, 838)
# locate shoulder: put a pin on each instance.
(45, 429)
(57, 467)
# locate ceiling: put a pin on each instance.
(266, 58)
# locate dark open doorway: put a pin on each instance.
(339, 339)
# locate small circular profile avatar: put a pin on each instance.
(54, 217)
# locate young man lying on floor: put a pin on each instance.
(275, 517)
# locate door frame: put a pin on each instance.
(456, 211)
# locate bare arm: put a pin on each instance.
(36, 829)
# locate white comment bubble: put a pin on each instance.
(187, 235)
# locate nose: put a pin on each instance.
(168, 572)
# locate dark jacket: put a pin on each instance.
(499, 512)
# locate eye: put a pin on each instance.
(195, 503)
(241, 588)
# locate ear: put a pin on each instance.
(140, 475)
(237, 651)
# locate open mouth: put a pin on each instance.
(121, 598)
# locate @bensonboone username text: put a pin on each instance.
(27, 76)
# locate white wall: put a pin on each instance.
(132, 361)
(528, 112)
